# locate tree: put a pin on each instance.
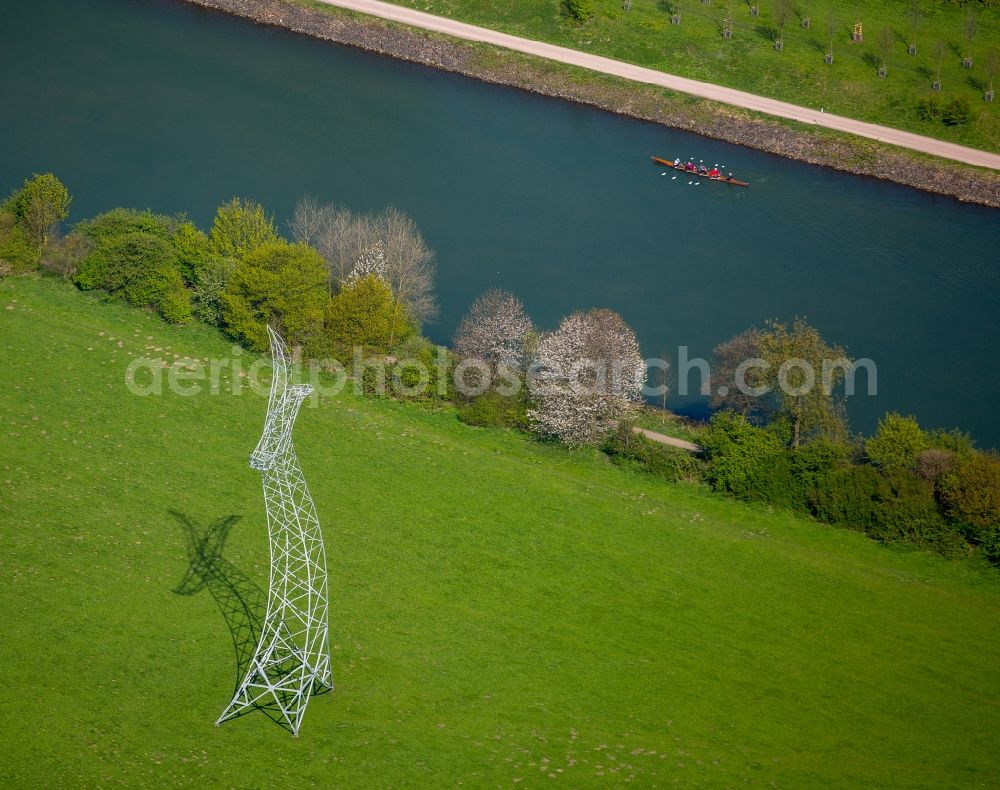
(310, 220)
(832, 25)
(365, 315)
(282, 285)
(588, 378)
(727, 20)
(970, 36)
(802, 372)
(410, 265)
(897, 443)
(344, 238)
(495, 331)
(914, 13)
(17, 253)
(885, 37)
(990, 66)
(371, 262)
(240, 228)
(782, 10)
(728, 359)
(939, 50)
(38, 206)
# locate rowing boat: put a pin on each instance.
(724, 179)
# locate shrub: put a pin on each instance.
(491, 409)
(139, 268)
(104, 228)
(578, 10)
(282, 285)
(735, 450)
(17, 253)
(418, 357)
(991, 545)
(929, 108)
(193, 251)
(211, 281)
(848, 497)
(773, 482)
(893, 506)
(954, 440)
(896, 443)
(628, 448)
(933, 464)
(971, 494)
(363, 315)
(63, 255)
(812, 462)
(957, 112)
(175, 305)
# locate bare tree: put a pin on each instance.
(344, 238)
(410, 264)
(590, 374)
(914, 14)
(310, 220)
(495, 331)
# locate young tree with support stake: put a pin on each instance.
(939, 50)
(913, 13)
(991, 65)
(832, 24)
(884, 47)
(970, 36)
(782, 9)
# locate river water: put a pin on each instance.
(151, 103)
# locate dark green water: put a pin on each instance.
(153, 103)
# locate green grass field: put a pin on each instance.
(798, 74)
(503, 612)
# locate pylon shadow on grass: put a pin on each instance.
(242, 602)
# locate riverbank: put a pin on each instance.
(645, 102)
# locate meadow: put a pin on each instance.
(748, 61)
(504, 612)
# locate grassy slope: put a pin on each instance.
(501, 609)
(850, 87)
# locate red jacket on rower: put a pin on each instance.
(714, 173)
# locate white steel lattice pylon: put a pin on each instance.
(292, 659)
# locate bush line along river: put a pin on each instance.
(163, 105)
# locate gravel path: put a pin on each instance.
(705, 90)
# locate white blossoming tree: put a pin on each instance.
(371, 262)
(588, 377)
(495, 330)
